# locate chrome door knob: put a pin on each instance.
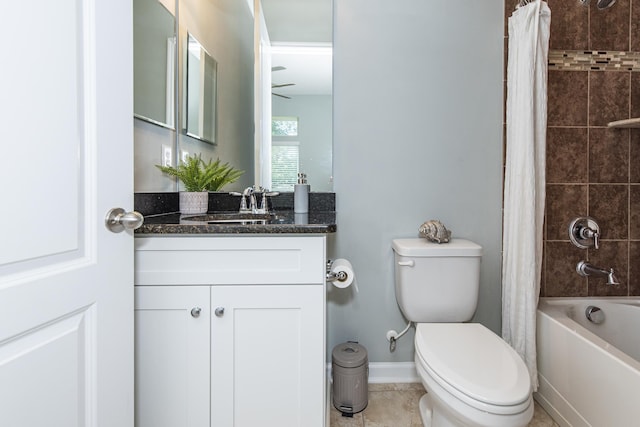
(118, 220)
(195, 311)
(219, 311)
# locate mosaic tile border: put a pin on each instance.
(584, 60)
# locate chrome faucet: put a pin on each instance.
(264, 203)
(250, 194)
(585, 269)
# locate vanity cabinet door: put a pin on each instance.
(268, 355)
(172, 345)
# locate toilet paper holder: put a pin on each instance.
(331, 276)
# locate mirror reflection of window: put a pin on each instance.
(300, 35)
(285, 153)
(285, 164)
(301, 87)
(284, 126)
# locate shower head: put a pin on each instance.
(601, 5)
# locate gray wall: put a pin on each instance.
(417, 135)
(225, 29)
(148, 140)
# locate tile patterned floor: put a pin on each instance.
(396, 405)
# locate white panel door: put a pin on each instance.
(267, 356)
(66, 282)
(172, 356)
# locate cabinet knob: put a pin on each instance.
(195, 311)
(219, 311)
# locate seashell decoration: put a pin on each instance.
(435, 231)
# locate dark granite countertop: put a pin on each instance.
(161, 216)
(280, 222)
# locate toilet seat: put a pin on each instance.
(474, 365)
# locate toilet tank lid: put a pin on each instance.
(418, 247)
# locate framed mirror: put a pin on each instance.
(299, 68)
(154, 45)
(200, 92)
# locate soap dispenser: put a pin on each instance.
(301, 194)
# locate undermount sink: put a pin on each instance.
(231, 218)
(238, 221)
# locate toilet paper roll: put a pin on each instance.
(342, 267)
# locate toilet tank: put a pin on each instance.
(437, 282)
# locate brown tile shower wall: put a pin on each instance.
(591, 169)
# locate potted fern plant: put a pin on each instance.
(198, 178)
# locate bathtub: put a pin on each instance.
(589, 373)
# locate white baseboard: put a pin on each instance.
(393, 372)
(389, 372)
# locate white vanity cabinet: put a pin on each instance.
(172, 363)
(230, 331)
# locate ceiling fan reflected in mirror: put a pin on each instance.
(273, 86)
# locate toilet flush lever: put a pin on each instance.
(409, 263)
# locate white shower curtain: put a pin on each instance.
(524, 188)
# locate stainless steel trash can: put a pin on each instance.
(350, 373)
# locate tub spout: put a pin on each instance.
(585, 269)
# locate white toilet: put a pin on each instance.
(472, 377)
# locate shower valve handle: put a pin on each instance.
(584, 232)
(587, 233)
